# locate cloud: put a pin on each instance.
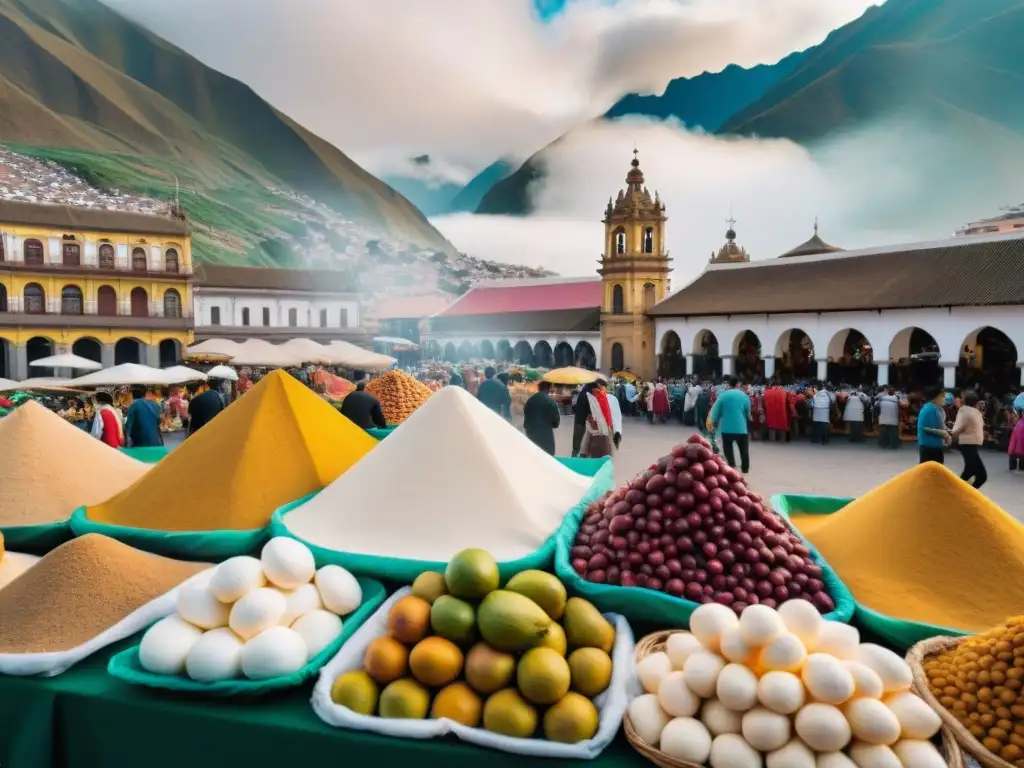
(467, 81)
(893, 182)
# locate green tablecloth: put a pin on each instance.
(87, 719)
(149, 455)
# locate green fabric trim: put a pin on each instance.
(899, 633)
(36, 539)
(405, 571)
(149, 455)
(378, 433)
(125, 665)
(186, 545)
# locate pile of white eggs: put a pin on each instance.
(253, 618)
(785, 689)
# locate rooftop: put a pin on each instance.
(73, 217)
(582, 320)
(270, 279)
(520, 296)
(411, 307)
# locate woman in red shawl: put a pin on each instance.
(659, 402)
(777, 412)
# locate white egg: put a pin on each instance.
(652, 669)
(737, 687)
(236, 577)
(834, 760)
(676, 698)
(827, 680)
(215, 656)
(803, 620)
(720, 719)
(339, 589)
(731, 750)
(917, 720)
(679, 647)
(867, 684)
(686, 739)
(647, 718)
(765, 730)
(287, 563)
(701, 673)
(274, 652)
(796, 754)
(299, 602)
(709, 622)
(873, 756)
(759, 625)
(781, 692)
(839, 640)
(318, 629)
(197, 604)
(786, 653)
(735, 649)
(872, 722)
(822, 727)
(918, 753)
(258, 610)
(166, 644)
(894, 671)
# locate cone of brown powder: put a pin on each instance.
(81, 589)
(50, 468)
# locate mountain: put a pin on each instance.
(706, 100)
(436, 198)
(84, 87)
(469, 197)
(910, 58)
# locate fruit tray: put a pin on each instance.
(611, 704)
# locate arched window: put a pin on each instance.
(34, 298)
(214, 315)
(293, 317)
(107, 260)
(266, 316)
(618, 300)
(618, 357)
(139, 260)
(106, 301)
(3, 297)
(71, 300)
(33, 253)
(649, 240)
(323, 318)
(171, 260)
(648, 296)
(245, 315)
(172, 303)
(140, 302)
(72, 255)
(620, 240)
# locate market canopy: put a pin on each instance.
(351, 356)
(67, 360)
(225, 348)
(396, 341)
(310, 351)
(121, 375)
(571, 376)
(222, 372)
(182, 374)
(6, 385)
(258, 353)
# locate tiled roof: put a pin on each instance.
(510, 323)
(411, 307)
(269, 279)
(950, 273)
(812, 247)
(73, 217)
(540, 295)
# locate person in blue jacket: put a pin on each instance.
(730, 416)
(142, 425)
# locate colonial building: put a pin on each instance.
(547, 322)
(276, 304)
(110, 286)
(935, 308)
(405, 317)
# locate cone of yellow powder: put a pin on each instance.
(213, 496)
(924, 554)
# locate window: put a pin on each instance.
(293, 318)
(618, 300)
(649, 240)
(648, 296)
(245, 315)
(618, 358)
(171, 260)
(71, 300)
(620, 240)
(106, 301)
(1, 247)
(33, 253)
(323, 318)
(139, 260)
(140, 302)
(72, 255)
(172, 303)
(3, 297)
(35, 299)
(214, 315)
(107, 256)
(266, 316)
(344, 318)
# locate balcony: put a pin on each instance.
(94, 271)
(9, 319)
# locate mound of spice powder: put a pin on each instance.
(275, 444)
(927, 547)
(50, 468)
(79, 590)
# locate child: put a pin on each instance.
(1016, 449)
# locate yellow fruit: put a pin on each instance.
(409, 620)
(543, 676)
(435, 661)
(572, 719)
(591, 670)
(429, 586)
(488, 670)
(585, 627)
(386, 659)
(541, 587)
(458, 702)
(406, 699)
(506, 713)
(555, 639)
(357, 691)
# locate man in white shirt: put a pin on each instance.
(888, 419)
(856, 404)
(821, 414)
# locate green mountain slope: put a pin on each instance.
(85, 87)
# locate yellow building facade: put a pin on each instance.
(635, 273)
(110, 286)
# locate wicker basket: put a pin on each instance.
(963, 737)
(656, 642)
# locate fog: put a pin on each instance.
(896, 181)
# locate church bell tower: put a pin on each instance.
(634, 270)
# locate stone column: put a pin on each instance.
(20, 362)
(948, 374)
(153, 355)
(822, 368)
(107, 356)
(727, 367)
(689, 365)
(883, 374)
(769, 367)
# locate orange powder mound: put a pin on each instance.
(81, 589)
(926, 547)
(399, 393)
(275, 444)
(50, 468)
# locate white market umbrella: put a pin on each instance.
(121, 375)
(310, 351)
(262, 354)
(225, 347)
(42, 382)
(182, 374)
(222, 372)
(6, 385)
(67, 360)
(351, 356)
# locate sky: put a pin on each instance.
(468, 81)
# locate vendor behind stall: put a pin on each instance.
(142, 425)
(363, 409)
(206, 403)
